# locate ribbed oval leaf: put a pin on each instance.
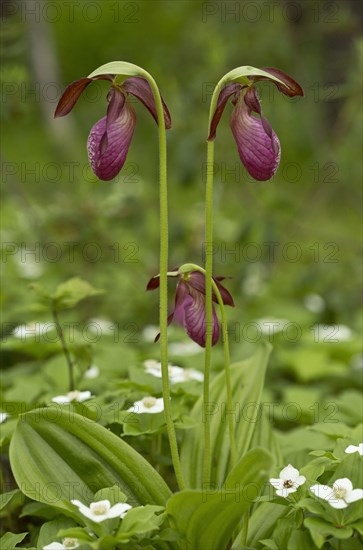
(57, 455)
(247, 379)
(208, 519)
(121, 68)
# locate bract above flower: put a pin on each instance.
(340, 495)
(75, 395)
(148, 405)
(110, 138)
(189, 308)
(353, 449)
(258, 145)
(288, 482)
(102, 510)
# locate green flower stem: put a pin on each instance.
(208, 308)
(208, 283)
(65, 349)
(164, 280)
(194, 267)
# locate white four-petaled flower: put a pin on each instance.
(148, 405)
(288, 482)
(176, 374)
(3, 417)
(355, 449)
(340, 495)
(75, 395)
(102, 510)
(66, 544)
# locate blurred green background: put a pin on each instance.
(291, 245)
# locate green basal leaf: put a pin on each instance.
(9, 541)
(208, 518)
(140, 521)
(57, 455)
(263, 521)
(7, 497)
(122, 68)
(320, 530)
(68, 294)
(247, 383)
(49, 530)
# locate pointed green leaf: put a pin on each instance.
(10, 540)
(71, 292)
(121, 68)
(321, 530)
(263, 521)
(247, 383)
(208, 518)
(57, 456)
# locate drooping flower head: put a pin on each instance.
(110, 138)
(258, 145)
(189, 310)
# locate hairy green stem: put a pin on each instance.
(65, 350)
(208, 247)
(164, 281)
(214, 286)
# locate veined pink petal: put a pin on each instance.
(258, 149)
(195, 318)
(140, 88)
(106, 164)
(197, 281)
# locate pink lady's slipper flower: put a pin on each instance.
(258, 145)
(189, 310)
(110, 138)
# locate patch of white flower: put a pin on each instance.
(102, 510)
(92, 372)
(288, 482)
(33, 330)
(332, 333)
(66, 544)
(176, 374)
(354, 449)
(72, 396)
(314, 303)
(150, 332)
(148, 405)
(184, 348)
(340, 495)
(101, 326)
(3, 416)
(271, 326)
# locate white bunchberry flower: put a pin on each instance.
(3, 417)
(340, 495)
(75, 395)
(353, 449)
(33, 330)
(271, 326)
(102, 510)
(288, 482)
(92, 372)
(176, 374)
(148, 405)
(184, 348)
(67, 544)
